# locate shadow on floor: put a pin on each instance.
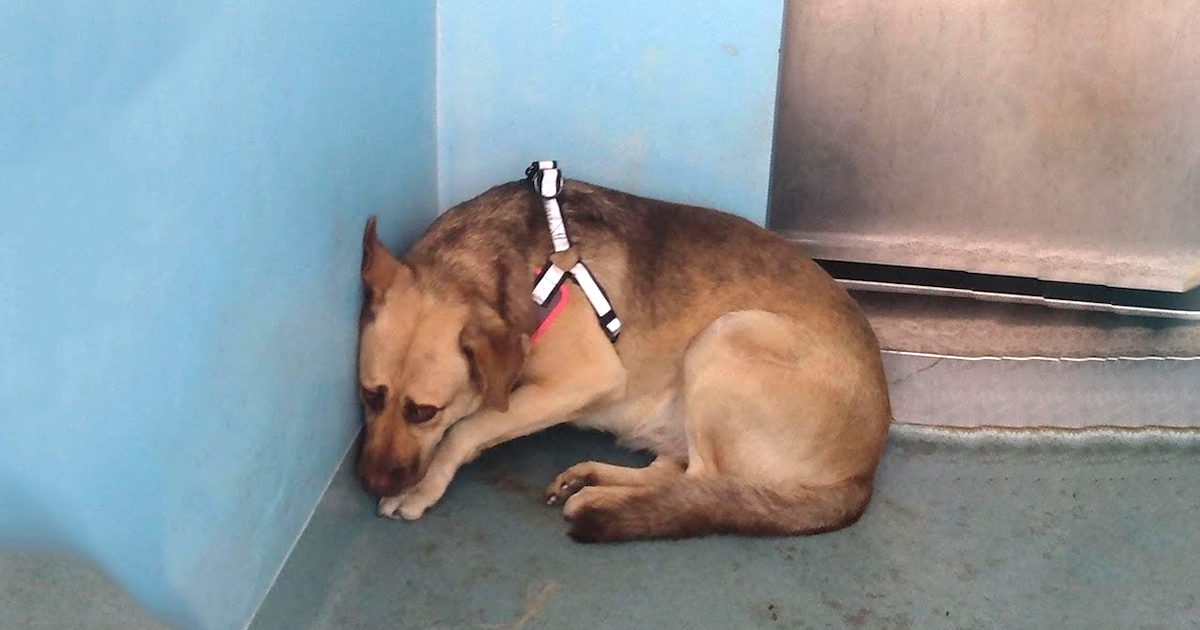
(1007, 531)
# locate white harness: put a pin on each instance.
(548, 182)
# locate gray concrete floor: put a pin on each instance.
(40, 590)
(1044, 367)
(930, 390)
(968, 529)
(971, 327)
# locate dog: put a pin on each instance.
(750, 373)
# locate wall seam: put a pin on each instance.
(438, 178)
(300, 532)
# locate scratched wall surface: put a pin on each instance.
(182, 192)
(668, 99)
(1056, 138)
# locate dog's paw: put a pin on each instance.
(574, 505)
(402, 507)
(594, 514)
(420, 498)
(571, 480)
(413, 509)
(389, 507)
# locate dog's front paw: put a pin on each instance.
(420, 498)
(571, 480)
(389, 507)
(402, 507)
(413, 508)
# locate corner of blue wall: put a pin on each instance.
(184, 188)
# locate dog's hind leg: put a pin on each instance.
(784, 435)
(573, 479)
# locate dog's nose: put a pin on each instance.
(387, 481)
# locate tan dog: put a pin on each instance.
(750, 373)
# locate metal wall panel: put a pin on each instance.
(1057, 139)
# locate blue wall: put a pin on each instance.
(671, 99)
(182, 192)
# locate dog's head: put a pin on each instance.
(428, 357)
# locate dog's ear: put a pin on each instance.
(379, 267)
(496, 355)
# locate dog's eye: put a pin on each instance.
(416, 414)
(373, 399)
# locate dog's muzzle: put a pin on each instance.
(388, 480)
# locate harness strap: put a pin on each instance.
(548, 182)
(548, 312)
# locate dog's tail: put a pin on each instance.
(695, 506)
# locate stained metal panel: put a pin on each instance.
(1055, 139)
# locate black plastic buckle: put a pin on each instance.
(534, 168)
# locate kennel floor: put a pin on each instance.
(968, 529)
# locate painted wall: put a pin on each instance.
(671, 99)
(182, 191)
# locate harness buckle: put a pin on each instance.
(540, 165)
(548, 189)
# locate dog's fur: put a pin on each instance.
(742, 364)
